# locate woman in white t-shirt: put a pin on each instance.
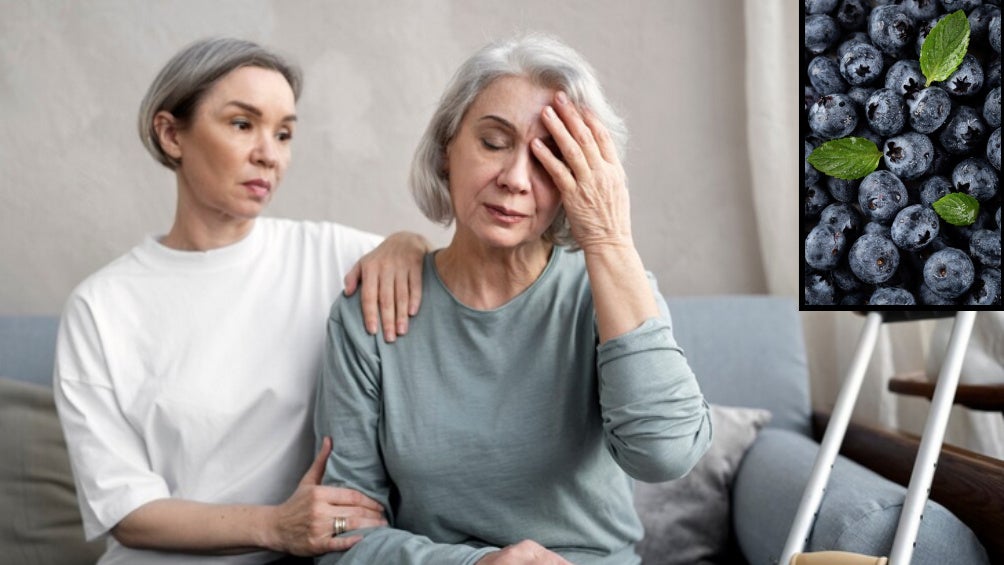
(186, 368)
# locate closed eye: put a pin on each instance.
(492, 146)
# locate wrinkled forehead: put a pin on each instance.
(515, 99)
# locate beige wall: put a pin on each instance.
(78, 189)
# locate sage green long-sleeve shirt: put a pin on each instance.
(479, 429)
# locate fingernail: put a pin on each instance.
(562, 98)
(538, 143)
(550, 112)
(402, 327)
(390, 338)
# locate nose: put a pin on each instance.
(266, 151)
(516, 172)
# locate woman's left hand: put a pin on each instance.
(391, 278)
(589, 175)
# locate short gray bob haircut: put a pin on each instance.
(187, 77)
(544, 60)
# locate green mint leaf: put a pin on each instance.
(957, 208)
(847, 158)
(945, 47)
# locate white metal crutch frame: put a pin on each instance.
(927, 454)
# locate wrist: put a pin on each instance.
(267, 529)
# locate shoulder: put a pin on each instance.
(319, 231)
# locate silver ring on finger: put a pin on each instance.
(339, 526)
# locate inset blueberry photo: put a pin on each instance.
(900, 127)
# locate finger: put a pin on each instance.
(315, 473)
(343, 543)
(387, 303)
(560, 174)
(369, 298)
(414, 290)
(571, 152)
(352, 279)
(401, 306)
(607, 147)
(572, 117)
(347, 497)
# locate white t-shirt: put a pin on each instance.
(192, 374)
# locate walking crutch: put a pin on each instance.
(927, 455)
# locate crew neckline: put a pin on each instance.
(430, 265)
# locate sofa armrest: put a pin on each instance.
(859, 513)
(967, 483)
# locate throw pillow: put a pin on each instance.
(40, 521)
(688, 521)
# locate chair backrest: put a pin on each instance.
(747, 350)
(28, 347)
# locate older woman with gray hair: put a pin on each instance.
(186, 369)
(541, 374)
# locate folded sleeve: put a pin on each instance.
(108, 455)
(656, 420)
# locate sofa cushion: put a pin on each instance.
(40, 521)
(28, 347)
(859, 513)
(687, 520)
(747, 351)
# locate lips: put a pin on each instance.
(502, 210)
(258, 187)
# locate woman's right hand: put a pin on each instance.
(304, 524)
(525, 552)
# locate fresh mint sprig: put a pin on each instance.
(848, 158)
(957, 208)
(945, 47)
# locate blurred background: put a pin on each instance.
(79, 189)
(709, 91)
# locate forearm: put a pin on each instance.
(389, 545)
(622, 294)
(195, 527)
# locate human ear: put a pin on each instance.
(166, 126)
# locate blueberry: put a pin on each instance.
(818, 289)
(854, 298)
(824, 74)
(992, 74)
(861, 64)
(924, 29)
(833, 116)
(881, 195)
(891, 28)
(967, 79)
(928, 296)
(964, 131)
(877, 228)
(985, 247)
(998, 217)
(820, 33)
(986, 289)
(864, 131)
(994, 32)
(820, 6)
(933, 188)
(816, 198)
(979, 22)
(929, 108)
(964, 5)
(885, 112)
(909, 155)
(842, 217)
(905, 77)
(992, 108)
(852, 14)
(976, 178)
(920, 9)
(914, 227)
(844, 279)
(860, 94)
(810, 173)
(891, 296)
(994, 149)
(842, 190)
(852, 40)
(824, 247)
(948, 272)
(873, 258)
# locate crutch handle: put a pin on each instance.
(836, 558)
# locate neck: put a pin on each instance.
(196, 229)
(485, 278)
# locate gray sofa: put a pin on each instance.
(746, 350)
